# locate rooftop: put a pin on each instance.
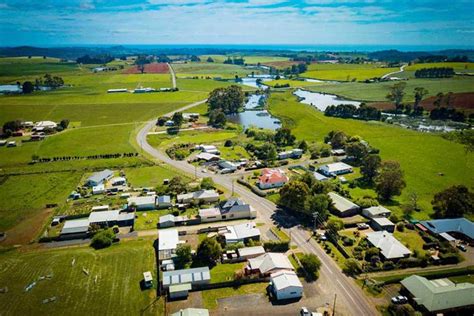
(209, 212)
(284, 279)
(142, 200)
(75, 226)
(335, 167)
(192, 312)
(100, 176)
(382, 221)
(341, 203)
(272, 176)
(241, 231)
(389, 246)
(186, 276)
(377, 210)
(270, 261)
(459, 225)
(249, 251)
(168, 239)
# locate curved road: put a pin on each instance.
(402, 68)
(331, 279)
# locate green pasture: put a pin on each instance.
(210, 297)
(210, 69)
(430, 162)
(23, 66)
(195, 137)
(112, 286)
(457, 66)
(151, 176)
(346, 72)
(293, 83)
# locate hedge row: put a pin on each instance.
(252, 188)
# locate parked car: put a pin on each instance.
(399, 299)
(362, 226)
(462, 247)
(305, 312)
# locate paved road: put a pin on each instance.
(348, 293)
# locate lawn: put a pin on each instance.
(411, 239)
(112, 286)
(346, 72)
(225, 272)
(422, 156)
(195, 137)
(151, 176)
(210, 297)
(233, 153)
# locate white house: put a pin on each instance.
(271, 178)
(268, 263)
(285, 285)
(250, 252)
(376, 211)
(210, 215)
(206, 196)
(98, 189)
(142, 203)
(99, 177)
(294, 153)
(168, 240)
(342, 206)
(389, 246)
(334, 169)
(241, 233)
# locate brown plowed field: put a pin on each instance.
(154, 68)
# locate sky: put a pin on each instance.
(312, 22)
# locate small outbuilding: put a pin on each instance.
(179, 291)
(142, 203)
(163, 201)
(99, 177)
(343, 207)
(382, 223)
(335, 169)
(285, 285)
(147, 279)
(376, 211)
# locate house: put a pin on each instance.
(269, 263)
(100, 208)
(338, 152)
(335, 169)
(118, 181)
(376, 211)
(210, 149)
(382, 223)
(250, 252)
(179, 291)
(343, 207)
(98, 189)
(111, 218)
(294, 153)
(285, 285)
(235, 208)
(241, 233)
(206, 196)
(207, 157)
(76, 228)
(142, 203)
(168, 240)
(458, 227)
(194, 276)
(170, 220)
(163, 201)
(440, 296)
(210, 215)
(271, 178)
(99, 177)
(147, 279)
(227, 165)
(320, 177)
(389, 246)
(191, 312)
(191, 116)
(42, 125)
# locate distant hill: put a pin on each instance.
(394, 55)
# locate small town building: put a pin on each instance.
(341, 206)
(390, 247)
(271, 178)
(118, 181)
(42, 125)
(100, 208)
(269, 263)
(376, 211)
(335, 169)
(206, 196)
(117, 90)
(142, 203)
(147, 279)
(241, 233)
(461, 228)
(194, 276)
(285, 285)
(191, 116)
(235, 208)
(111, 218)
(212, 214)
(98, 189)
(191, 312)
(179, 291)
(99, 177)
(163, 201)
(207, 157)
(294, 154)
(320, 177)
(227, 166)
(250, 252)
(382, 223)
(168, 240)
(440, 296)
(76, 228)
(210, 149)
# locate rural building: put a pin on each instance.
(439, 296)
(190, 116)
(99, 177)
(117, 90)
(42, 125)
(98, 189)
(170, 220)
(210, 215)
(341, 206)
(207, 157)
(335, 169)
(168, 240)
(227, 165)
(111, 218)
(285, 285)
(382, 223)
(271, 178)
(389, 246)
(338, 152)
(210, 149)
(235, 208)
(179, 291)
(376, 211)
(241, 233)
(76, 228)
(100, 208)
(144, 90)
(142, 203)
(205, 196)
(462, 228)
(163, 201)
(250, 252)
(118, 181)
(320, 177)
(295, 154)
(192, 312)
(194, 276)
(269, 263)
(147, 279)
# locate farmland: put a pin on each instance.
(209, 69)
(113, 283)
(346, 72)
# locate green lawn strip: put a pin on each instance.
(440, 273)
(225, 272)
(280, 234)
(210, 297)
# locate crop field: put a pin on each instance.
(112, 286)
(248, 59)
(153, 68)
(280, 64)
(457, 66)
(202, 85)
(422, 156)
(209, 70)
(346, 72)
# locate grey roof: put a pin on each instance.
(167, 218)
(101, 176)
(164, 199)
(142, 200)
(389, 246)
(235, 205)
(460, 225)
(440, 294)
(377, 210)
(75, 226)
(270, 261)
(191, 312)
(342, 204)
(251, 251)
(103, 216)
(383, 221)
(319, 176)
(241, 232)
(285, 279)
(186, 276)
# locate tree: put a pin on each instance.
(293, 195)
(370, 166)
(217, 118)
(351, 267)
(207, 183)
(177, 119)
(64, 123)
(303, 145)
(210, 60)
(103, 239)
(209, 251)
(337, 139)
(389, 181)
(230, 100)
(266, 152)
(357, 151)
(283, 137)
(455, 201)
(420, 93)
(396, 94)
(318, 203)
(183, 255)
(311, 265)
(162, 120)
(177, 186)
(27, 87)
(334, 224)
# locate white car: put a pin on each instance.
(399, 299)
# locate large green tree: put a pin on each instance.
(230, 100)
(389, 181)
(357, 151)
(455, 201)
(396, 94)
(369, 167)
(209, 251)
(318, 203)
(283, 137)
(293, 195)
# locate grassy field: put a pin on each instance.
(23, 66)
(292, 83)
(248, 59)
(210, 69)
(422, 156)
(210, 297)
(150, 176)
(225, 272)
(457, 66)
(195, 137)
(346, 72)
(112, 286)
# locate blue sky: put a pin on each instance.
(374, 22)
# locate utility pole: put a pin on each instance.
(334, 305)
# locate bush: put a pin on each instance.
(449, 258)
(351, 267)
(400, 227)
(183, 255)
(371, 252)
(394, 218)
(311, 264)
(228, 143)
(388, 265)
(103, 239)
(276, 246)
(348, 241)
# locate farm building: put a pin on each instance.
(207, 157)
(271, 178)
(163, 201)
(98, 189)
(241, 233)
(118, 181)
(191, 312)
(100, 208)
(142, 203)
(77, 228)
(335, 169)
(382, 223)
(320, 177)
(194, 276)
(389, 246)
(269, 263)
(170, 220)
(294, 153)
(250, 252)
(117, 90)
(179, 291)
(168, 240)
(210, 149)
(227, 165)
(376, 211)
(42, 125)
(439, 296)
(206, 196)
(99, 177)
(111, 218)
(343, 207)
(461, 228)
(190, 116)
(285, 285)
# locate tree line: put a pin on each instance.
(363, 112)
(436, 72)
(36, 158)
(98, 59)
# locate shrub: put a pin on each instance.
(388, 265)
(103, 239)
(351, 267)
(228, 143)
(276, 246)
(348, 241)
(183, 255)
(394, 218)
(311, 264)
(371, 252)
(400, 227)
